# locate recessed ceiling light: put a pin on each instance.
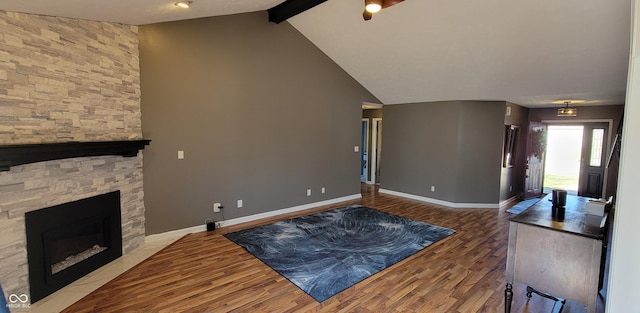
(184, 4)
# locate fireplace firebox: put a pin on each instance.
(67, 241)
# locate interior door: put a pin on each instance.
(534, 167)
(592, 165)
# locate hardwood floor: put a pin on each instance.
(205, 272)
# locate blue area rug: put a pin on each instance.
(328, 252)
(523, 205)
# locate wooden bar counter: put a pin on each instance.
(557, 257)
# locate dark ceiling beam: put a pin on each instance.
(290, 8)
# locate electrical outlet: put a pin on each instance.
(239, 204)
(308, 192)
(217, 207)
(323, 190)
(433, 188)
(510, 188)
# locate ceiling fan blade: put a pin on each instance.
(388, 3)
(367, 15)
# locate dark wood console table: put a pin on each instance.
(559, 258)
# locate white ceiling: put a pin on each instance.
(533, 53)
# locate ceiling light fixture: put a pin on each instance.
(184, 4)
(373, 6)
(567, 111)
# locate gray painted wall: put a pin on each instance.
(260, 113)
(480, 143)
(455, 146)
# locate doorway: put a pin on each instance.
(371, 143)
(376, 143)
(564, 152)
(574, 158)
(364, 157)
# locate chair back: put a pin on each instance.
(4, 308)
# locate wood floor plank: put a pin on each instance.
(205, 272)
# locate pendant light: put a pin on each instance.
(567, 111)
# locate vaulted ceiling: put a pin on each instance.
(533, 53)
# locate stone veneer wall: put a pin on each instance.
(65, 79)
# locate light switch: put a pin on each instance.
(180, 154)
(356, 148)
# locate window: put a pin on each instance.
(597, 137)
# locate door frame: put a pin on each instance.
(365, 154)
(375, 146)
(607, 148)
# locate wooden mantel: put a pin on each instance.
(12, 155)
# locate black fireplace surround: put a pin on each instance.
(65, 230)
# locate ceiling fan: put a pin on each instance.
(373, 6)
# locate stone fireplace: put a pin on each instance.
(30, 187)
(66, 80)
(68, 240)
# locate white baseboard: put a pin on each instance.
(254, 217)
(512, 199)
(442, 202)
(174, 234)
(181, 232)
